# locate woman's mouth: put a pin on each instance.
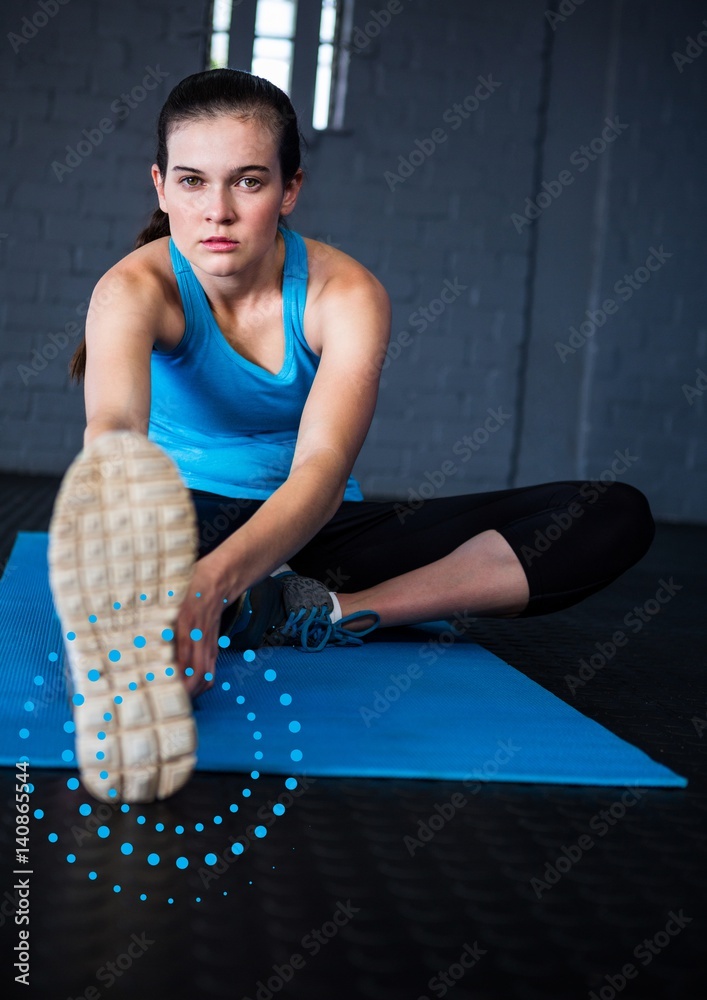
(219, 243)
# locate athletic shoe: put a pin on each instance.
(290, 610)
(122, 545)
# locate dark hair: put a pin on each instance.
(210, 94)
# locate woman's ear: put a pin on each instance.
(159, 186)
(291, 193)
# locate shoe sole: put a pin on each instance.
(122, 546)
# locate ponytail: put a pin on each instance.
(157, 227)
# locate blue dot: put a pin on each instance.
(67, 755)
(257, 735)
(125, 808)
(112, 792)
(198, 593)
(132, 686)
(218, 819)
(139, 641)
(103, 775)
(198, 898)
(118, 699)
(270, 675)
(196, 634)
(246, 793)
(71, 636)
(73, 784)
(103, 832)
(159, 827)
(240, 699)
(38, 813)
(182, 862)
(153, 859)
(170, 593)
(53, 657)
(170, 900)
(258, 754)
(179, 829)
(278, 809)
(52, 838)
(210, 859)
(39, 680)
(85, 809)
(260, 831)
(208, 676)
(143, 597)
(226, 686)
(285, 699)
(107, 716)
(29, 706)
(92, 618)
(189, 671)
(24, 733)
(149, 676)
(224, 642)
(69, 727)
(101, 735)
(169, 671)
(294, 727)
(237, 848)
(114, 655)
(143, 896)
(198, 827)
(291, 783)
(71, 858)
(250, 716)
(167, 634)
(93, 675)
(78, 699)
(249, 655)
(140, 820)
(116, 888)
(233, 807)
(92, 876)
(255, 774)
(117, 605)
(296, 755)
(126, 848)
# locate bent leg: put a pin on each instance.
(514, 553)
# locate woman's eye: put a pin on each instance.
(251, 182)
(187, 179)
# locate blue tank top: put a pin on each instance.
(229, 425)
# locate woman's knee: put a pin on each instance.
(631, 509)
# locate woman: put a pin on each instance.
(252, 357)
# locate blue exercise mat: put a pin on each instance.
(429, 708)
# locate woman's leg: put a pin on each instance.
(509, 553)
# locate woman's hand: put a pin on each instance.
(202, 613)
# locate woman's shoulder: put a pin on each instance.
(146, 272)
(144, 280)
(149, 264)
(331, 270)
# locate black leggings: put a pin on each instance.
(571, 538)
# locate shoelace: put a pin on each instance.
(317, 625)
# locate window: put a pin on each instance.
(320, 30)
(220, 32)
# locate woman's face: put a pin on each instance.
(224, 180)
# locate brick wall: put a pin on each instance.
(457, 114)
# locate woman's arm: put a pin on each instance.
(123, 321)
(351, 317)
